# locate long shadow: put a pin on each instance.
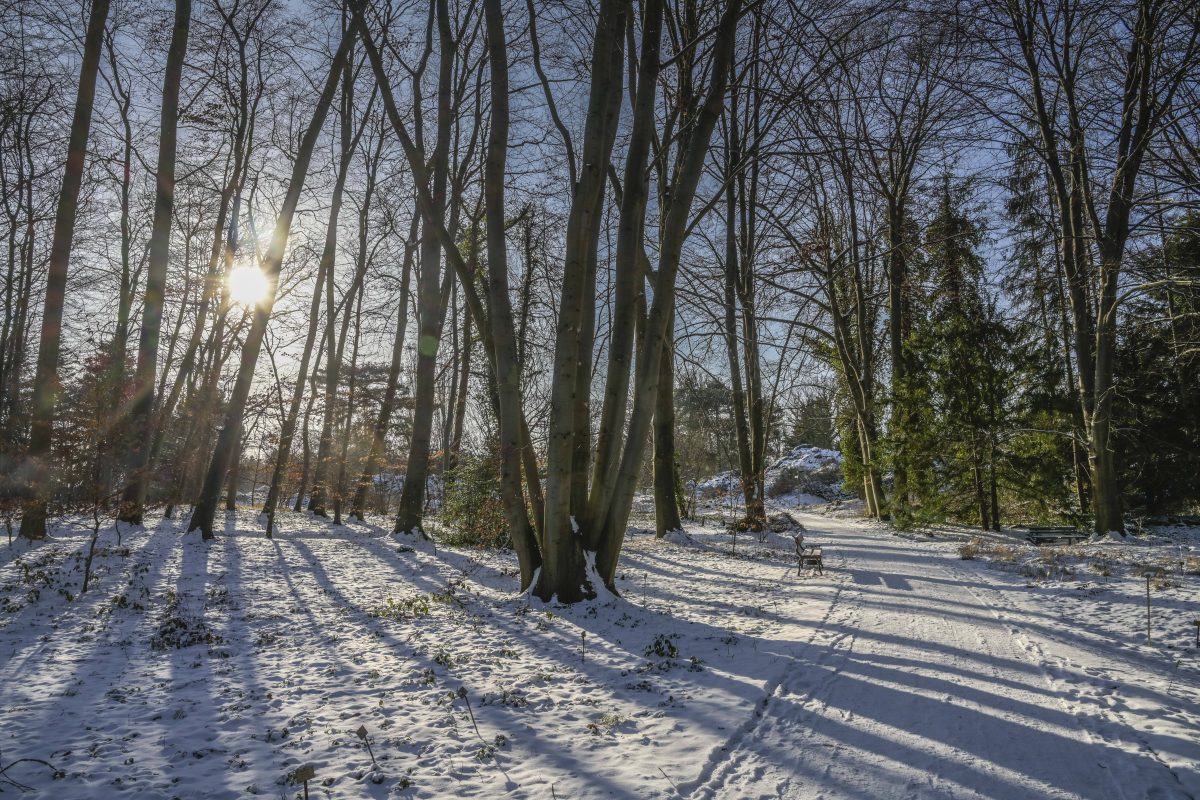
(484, 714)
(563, 649)
(84, 607)
(887, 700)
(990, 744)
(1098, 645)
(241, 651)
(193, 666)
(119, 633)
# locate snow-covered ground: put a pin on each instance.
(903, 671)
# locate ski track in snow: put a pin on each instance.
(901, 673)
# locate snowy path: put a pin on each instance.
(915, 688)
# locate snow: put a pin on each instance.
(808, 458)
(821, 469)
(904, 671)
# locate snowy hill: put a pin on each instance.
(804, 476)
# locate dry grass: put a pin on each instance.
(977, 547)
(968, 551)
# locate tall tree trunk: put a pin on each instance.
(562, 572)
(387, 406)
(235, 471)
(459, 416)
(306, 453)
(427, 206)
(339, 483)
(324, 275)
(897, 276)
(628, 265)
(688, 170)
(317, 500)
(113, 427)
(981, 500)
(506, 367)
(141, 420)
(45, 382)
(733, 347)
(666, 483)
(1106, 488)
(203, 514)
(429, 323)
(993, 489)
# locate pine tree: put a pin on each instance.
(1158, 407)
(960, 390)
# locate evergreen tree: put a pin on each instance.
(1049, 450)
(1158, 403)
(961, 389)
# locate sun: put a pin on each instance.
(248, 285)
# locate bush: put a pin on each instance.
(786, 482)
(968, 551)
(472, 509)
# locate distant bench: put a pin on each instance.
(1047, 534)
(808, 556)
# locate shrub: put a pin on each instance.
(663, 647)
(472, 509)
(410, 607)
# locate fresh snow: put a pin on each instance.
(808, 460)
(904, 671)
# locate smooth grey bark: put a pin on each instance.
(688, 169)
(141, 419)
(562, 573)
(666, 474)
(429, 300)
(506, 366)
(629, 275)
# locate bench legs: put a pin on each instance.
(813, 562)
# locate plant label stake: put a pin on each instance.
(362, 734)
(303, 775)
(1150, 573)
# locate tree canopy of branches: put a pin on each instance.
(353, 258)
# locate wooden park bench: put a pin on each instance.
(1040, 535)
(808, 556)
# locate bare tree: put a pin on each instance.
(160, 244)
(45, 386)
(205, 510)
